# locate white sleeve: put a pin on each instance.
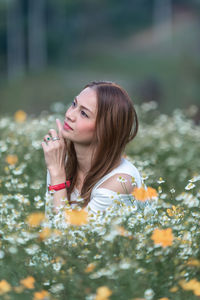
(103, 198)
(48, 180)
(48, 196)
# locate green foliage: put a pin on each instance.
(114, 249)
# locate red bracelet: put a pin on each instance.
(60, 186)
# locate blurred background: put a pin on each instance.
(50, 49)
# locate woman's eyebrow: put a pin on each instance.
(83, 106)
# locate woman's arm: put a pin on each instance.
(55, 154)
(57, 178)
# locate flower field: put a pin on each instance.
(125, 253)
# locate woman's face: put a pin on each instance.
(79, 123)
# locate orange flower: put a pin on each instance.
(11, 159)
(193, 262)
(18, 289)
(45, 233)
(57, 232)
(192, 284)
(122, 231)
(103, 293)
(76, 217)
(5, 287)
(41, 295)
(143, 194)
(174, 289)
(28, 282)
(35, 219)
(164, 298)
(20, 116)
(162, 236)
(89, 268)
(152, 192)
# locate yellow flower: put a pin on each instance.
(41, 295)
(35, 219)
(45, 233)
(20, 116)
(143, 194)
(162, 236)
(170, 212)
(11, 159)
(76, 217)
(89, 268)
(5, 287)
(103, 293)
(175, 210)
(28, 282)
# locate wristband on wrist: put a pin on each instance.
(57, 187)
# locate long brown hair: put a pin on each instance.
(116, 125)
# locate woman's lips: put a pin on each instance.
(67, 127)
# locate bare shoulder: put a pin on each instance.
(119, 183)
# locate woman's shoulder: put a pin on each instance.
(124, 168)
(127, 167)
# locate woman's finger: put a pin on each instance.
(53, 133)
(60, 126)
(44, 146)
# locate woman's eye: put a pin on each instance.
(82, 111)
(84, 114)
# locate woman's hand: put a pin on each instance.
(55, 151)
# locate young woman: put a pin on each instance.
(89, 147)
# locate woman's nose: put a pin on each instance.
(70, 115)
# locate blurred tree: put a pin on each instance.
(37, 48)
(162, 15)
(57, 29)
(150, 89)
(15, 39)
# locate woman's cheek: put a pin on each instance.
(87, 128)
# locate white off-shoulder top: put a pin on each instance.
(102, 198)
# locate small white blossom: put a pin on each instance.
(56, 288)
(121, 179)
(195, 178)
(160, 180)
(189, 186)
(149, 294)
